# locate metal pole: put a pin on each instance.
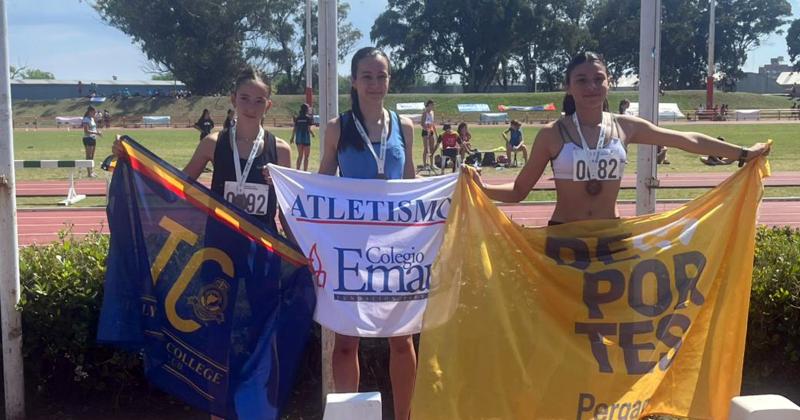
(309, 64)
(329, 109)
(711, 66)
(649, 61)
(13, 379)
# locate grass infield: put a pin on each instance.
(177, 145)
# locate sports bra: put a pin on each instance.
(562, 163)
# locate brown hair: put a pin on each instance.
(568, 106)
(355, 106)
(252, 74)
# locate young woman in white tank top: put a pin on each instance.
(587, 148)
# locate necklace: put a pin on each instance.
(380, 157)
(592, 186)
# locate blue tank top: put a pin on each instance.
(354, 163)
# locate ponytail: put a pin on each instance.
(346, 141)
(568, 106)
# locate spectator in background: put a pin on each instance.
(230, 119)
(514, 141)
(106, 118)
(80, 89)
(428, 122)
(205, 124)
(90, 133)
(451, 146)
(623, 106)
(468, 153)
(301, 134)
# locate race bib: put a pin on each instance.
(601, 165)
(252, 198)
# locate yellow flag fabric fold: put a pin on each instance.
(610, 319)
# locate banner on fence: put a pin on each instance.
(220, 305)
(371, 246)
(410, 106)
(547, 107)
(595, 319)
(473, 108)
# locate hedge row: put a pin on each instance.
(62, 293)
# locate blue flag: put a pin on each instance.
(220, 305)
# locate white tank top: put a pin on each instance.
(562, 163)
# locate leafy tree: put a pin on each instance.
(26, 73)
(741, 25)
(200, 43)
(38, 74)
(163, 76)
(793, 43)
(465, 38)
(277, 40)
(16, 72)
(614, 26)
(555, 34)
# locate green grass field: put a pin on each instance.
(177, 145)
(284, 106)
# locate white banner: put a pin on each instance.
(371, 244)
(410, 106)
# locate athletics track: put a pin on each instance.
(41, 226)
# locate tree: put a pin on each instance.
(555, 34)
(200, 43)
(204, 44)
(793, 43)
(614, 26)
(26, 73)
(741, 25)
(277, 40)
(465, 38)
(163, 76)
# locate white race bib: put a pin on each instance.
(252, 198)
(601, 165)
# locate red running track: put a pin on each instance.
(43, 226)
(97, 187)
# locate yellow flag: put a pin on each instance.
(610, 319)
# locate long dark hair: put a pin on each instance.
(205, 115)
(361, 54)
(568, 106)
(304, 111)
(88, 110)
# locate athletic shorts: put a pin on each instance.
(89, 141)
(451, 153)
(302, 138)
(514, 145)
(424, 133)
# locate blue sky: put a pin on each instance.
(68, 39)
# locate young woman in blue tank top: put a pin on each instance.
(587, 148)
(346, 151)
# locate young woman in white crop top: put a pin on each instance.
(587, 148)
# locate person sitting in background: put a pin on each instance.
(716, 160)
(623, 106)
(451, 146)
(514, 141)
(469, 154)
